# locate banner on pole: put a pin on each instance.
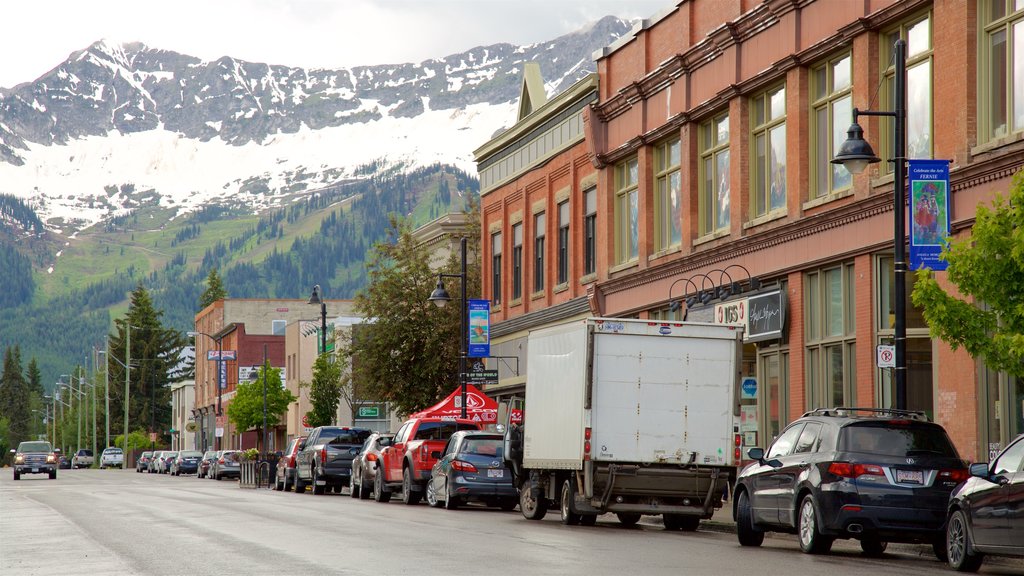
(929, 204)
(479, 329)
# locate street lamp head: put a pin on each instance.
(314, 298)
(439, 296)
(855, 153)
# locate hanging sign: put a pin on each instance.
(479, 337)
(929, 212)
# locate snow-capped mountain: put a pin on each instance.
(117, 126)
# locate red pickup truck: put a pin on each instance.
(405, 462)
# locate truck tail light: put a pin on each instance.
(737, 443)
(586, 443)
(849, 470)
(463, 466)
(323, 455)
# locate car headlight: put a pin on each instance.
(19, 458)
(50, 459)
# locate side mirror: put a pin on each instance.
(353, 451)
(435, 454)
(13, 451)
(756, 454)
(384, 442)
(55, 450)
(979, 470)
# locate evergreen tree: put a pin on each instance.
(214, 290)
(987, 267)
(246, 408)
(324, 392)
(15, 403)
(34, 378)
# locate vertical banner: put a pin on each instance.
(929, 203)
(479, 329)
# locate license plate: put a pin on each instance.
(496, 473)
(321, 482)
(35, 470)
(910, 476)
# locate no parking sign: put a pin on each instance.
(886, 356)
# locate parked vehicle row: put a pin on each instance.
(213, 464)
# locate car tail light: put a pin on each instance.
(586, 443)
(220, 460)
(954, 475)
(371, 457)
(463, 466)
(850, 470)
(323, 455)
(291, 461)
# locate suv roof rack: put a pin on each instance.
(843, 411)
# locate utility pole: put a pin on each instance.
(106, 394)
(92, 393)
(127, 375)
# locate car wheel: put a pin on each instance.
(409, 496)
(532, 508)
(681, 522)
(958, 545)
(812, 541)
(365, 489)
(746, 532)
(873, 546)
(450, 502)
(628, 518)
(569, 518)
(380, 493)
(298, 484)
(353, 486)
(432, 495)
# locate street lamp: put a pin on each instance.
(855, 154)
(440, 297)
(314, 298)
(220, 368)
(673, 305)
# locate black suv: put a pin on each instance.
(873, 474)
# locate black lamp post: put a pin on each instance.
(440, 297)
(855, 154)
(315, 299)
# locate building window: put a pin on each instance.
(714, 183)
(918, 36)
(517, 261)
(768, 116)
(539, 226)
(831, 90)
(1002, 68)
(496, 268)
(277, 327)
(918, 346)
(830, 337)
(563, 242)
(590, 231)
(627, 211)
(668, 201)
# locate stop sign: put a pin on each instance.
(305, 420)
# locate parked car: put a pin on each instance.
(204, 464)
(154, 463)
(82, 459)
(186, 462)
(364, 465)
(986, 513)
(325, 462)
(227, 465)
(405, 463)
(111, 457)
(166, 459)
(64, 463)
(143, 462)
(472, 468)
(872, 474)
(284, 477)
(35, 458)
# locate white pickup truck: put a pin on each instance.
(632, 417)
(111, 458)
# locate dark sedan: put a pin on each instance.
(986, 513)
(143, 462)
(472, 468)
(187, 462)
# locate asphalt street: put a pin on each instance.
(119, 522)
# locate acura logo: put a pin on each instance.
(911, 461)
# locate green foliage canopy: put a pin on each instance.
(246, 408)
(987, 269)
(324, 392)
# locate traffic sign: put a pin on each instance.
(886, 356)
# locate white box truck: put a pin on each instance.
(631, 417)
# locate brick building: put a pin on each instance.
(711, 138)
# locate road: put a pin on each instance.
(114, 522)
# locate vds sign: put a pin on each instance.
(734, 312)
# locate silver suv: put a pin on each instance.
(82, 459)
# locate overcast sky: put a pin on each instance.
(38, 35)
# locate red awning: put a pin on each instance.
(479, 407)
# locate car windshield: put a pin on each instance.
(440, 430)
(147, 454)
(190, 454)
(170, 455)
(34, 447)
(897, 439)
(482, 446)
(345, 436)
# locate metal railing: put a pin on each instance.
(254, 474)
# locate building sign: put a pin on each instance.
(732, 312)
(370, 412)
(766, 316)
(929, 212)
(246, 373)
(224, 354)
(479, 329)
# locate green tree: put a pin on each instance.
(324, 392)
(246, 408)
(5, 440)
(34, 378)
(214, 290)
(154, 358)
(15, 398)
(409, 354)
(988, 271)
(137, 440)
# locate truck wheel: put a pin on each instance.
(53, 474)
(380, 493)
(532, 508)
(628, 518)
(812, 541)
(300, 486)
(681, 522)
(746, 532)
(17, 475)
(569, 518)
(409, 497)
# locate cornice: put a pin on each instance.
(989, 166)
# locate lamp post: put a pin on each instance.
(855, 154)
(315, 298)
(440, 297)
(127, 369)
(220, 369)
